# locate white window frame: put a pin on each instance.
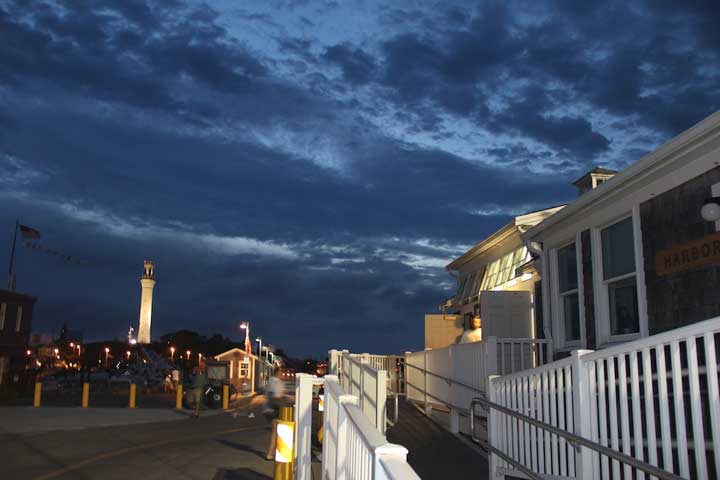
(3, 312)
(600, 285)
(556, 298)
(18, 319)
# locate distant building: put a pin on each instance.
(15, 323)
(242, 371)
(485, 275)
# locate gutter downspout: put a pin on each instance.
(536, 249)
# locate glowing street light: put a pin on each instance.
(28, 353)
(259, 340)
(199, 358)
(107, 353)
(188, 354)
(172, 353)
(72, 344)
(128, 354)
(56, 351)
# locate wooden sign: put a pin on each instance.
(697, 253)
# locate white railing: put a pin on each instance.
(654, 399)
(442, 376)
(352, 446)
(359, 378)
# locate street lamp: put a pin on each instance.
(259, 340)
(199, 358)
(107, 353)
(128, 354)
(172, 354)
(188, 354)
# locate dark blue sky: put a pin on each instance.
(311, 166)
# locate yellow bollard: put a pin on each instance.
(85, 395)
(284, 445)
(133, 392)
(226, 396)
(321, 414)
(38, 394)
(178, 398)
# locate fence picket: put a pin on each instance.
(664, 410)
(680, 434)
(636, 412)
(649, 407)
(696, 411)
(713, 395)
(614, 443)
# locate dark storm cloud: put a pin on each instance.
(269, 187)
(357, 66)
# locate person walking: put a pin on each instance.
(275, 394)
(199, 382)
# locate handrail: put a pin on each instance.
(448, 380)
(574, 440)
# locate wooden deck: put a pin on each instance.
(435, 453)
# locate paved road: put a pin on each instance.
(214, 447)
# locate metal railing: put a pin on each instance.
(575, 441)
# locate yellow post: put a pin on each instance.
(284, 446)
(133, 392)
(38, 394)
(178, 397)
(85, 395)
(226, 396)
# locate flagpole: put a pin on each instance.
(11, 284)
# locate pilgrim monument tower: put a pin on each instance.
(148, 283)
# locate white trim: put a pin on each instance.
(715, 192)
(640, 271)
(581, 287)
(546, 295)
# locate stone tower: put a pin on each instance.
(148, 283)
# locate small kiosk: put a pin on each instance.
(241, 369)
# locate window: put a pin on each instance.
(3, 309)
(503, 269)
(18, 321)
(568, 291)
(618, 262)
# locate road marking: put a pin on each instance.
(121, 451)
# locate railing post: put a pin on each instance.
(341, 459)
(425, 382)
(381, 402)
(303, 426)
(581, 408)
(454, 414)
(493, 427)
(333, 356)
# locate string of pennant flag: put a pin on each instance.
(30, 235)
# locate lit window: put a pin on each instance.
(568, 290)
(503, 269)
(18, 321)
(3, 308)
(619, 277)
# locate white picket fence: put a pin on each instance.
(353, 448)
(358, 377)
(654, 399)
(468, 365)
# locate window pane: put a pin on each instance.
(468, 286)
(623, 307)
(618, 249)
(505, 273)
(461, 286)
(567, 268)
(571, 316)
